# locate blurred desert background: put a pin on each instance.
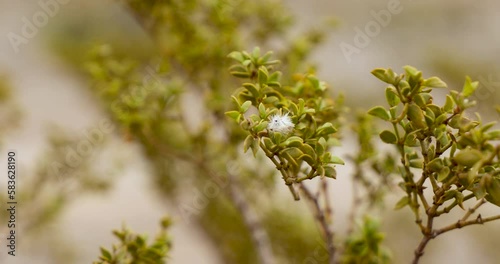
(449, 39)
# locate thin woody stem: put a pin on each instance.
(323, 222)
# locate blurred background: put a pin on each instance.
(50, 106)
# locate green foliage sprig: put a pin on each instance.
(313, 118)
(134, 249)
(441, 149)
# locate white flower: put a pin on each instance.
(280, 123)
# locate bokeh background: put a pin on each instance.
(449, 39)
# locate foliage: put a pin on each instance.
(451, 151)
(304, 101)
(133, 248)
(364, 247)
(179, 103)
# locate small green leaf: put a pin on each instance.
(261, 126)
(252, 88)
(417, 163)
(469, 87)
(235, 115)
(337, 160)
(416, 116)
(244, 107)
(307, 149)
(492, 186)
(256, 53)
(448, 106)
(443, 174)
(412, 71)
(384, 75)
(269, 144)
(434, 82)
(236, 55)
(388, 137)
(106, 255)
(401, 203)
(265, 57)
(330, 172)
(263, 75)
(293, 141)
(320, 171)
(380, 112)
(326, 129)
(240, 74)
(308, 159)
(392, 97)
(247, 143)
(435, 165)
(468, 157)
(262, 111)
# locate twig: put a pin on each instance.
(419, 252)
(321, 218)
(460, 224)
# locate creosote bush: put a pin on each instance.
(277, 108)
(439, 146)
(441, 150)
(293, 125)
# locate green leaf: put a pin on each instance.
(275, 77)
(252, 88)
(330, 172)
(256, 53)
(392, 97)
(263, 75)
(236, 55)
(262, 111)
(448, 106)
(412, 71)
(307, 149)
(422, 99)
(261, 126)
(235, 115)
(468, 157)
(307, 158)
(401, 203)
(417, 163)
(247, 143)
(106, 255)
(244, 107)
(265, 57)
(384, 75)
(388, 137)
(269, 144)
(293, 141)
(416, 116)
(492, 186)
(434, 82)
(326, 129)
(443, 174)
(435, 165)
(243, 75)
(337, 160)
(469, 87)
(380, 112)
